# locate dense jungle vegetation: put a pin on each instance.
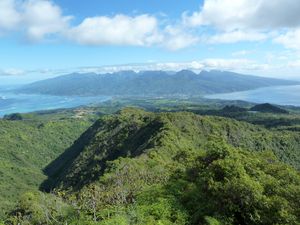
(205, 164)
(26, 148)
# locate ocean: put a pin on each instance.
(12, 103)
(280, 95)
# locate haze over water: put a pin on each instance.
(281, 95)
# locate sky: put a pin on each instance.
(45, 38)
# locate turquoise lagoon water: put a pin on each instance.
(13, 103)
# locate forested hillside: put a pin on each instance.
(138, 167)
(26, 147)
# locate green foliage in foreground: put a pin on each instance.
(221, 185)
(171, 168)
(26, 147)
(134, 132)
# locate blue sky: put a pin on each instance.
(45, 38)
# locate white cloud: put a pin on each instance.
(294, 64)
(142, 30)
(12, 72)
(229, 21)
(237, 36)
(235, 64)
(37, 18)
(9, 17)
(246, 14)
(43, 17)
(224, 14)
(248, 20)
(238, 65)
(118, 30)
(291, 39)
(167, 66)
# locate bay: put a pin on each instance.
(21, 103)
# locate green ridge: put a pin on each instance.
(26, 147)
(138, 167)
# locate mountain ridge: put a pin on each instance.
(139, 167)
(134, 132)
(150, 83)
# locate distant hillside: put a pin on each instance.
(150, 83)
(233, 109)
(268, 108)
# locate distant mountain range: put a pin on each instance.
(151, 83)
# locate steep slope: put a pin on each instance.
(26, 147)
(109, 138)
(150, 83)
(135, 132)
